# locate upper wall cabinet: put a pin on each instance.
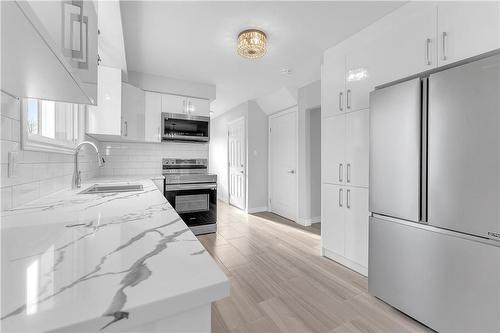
(49, 50)
(105, 118)
(466, 29)
(333, 83)
(182, 104)
(405, 42)
(153, 106)
(120, 113)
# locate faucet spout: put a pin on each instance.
(77, 179)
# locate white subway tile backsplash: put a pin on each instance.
(145, 158)
(6, 194)
(6, 128)
(36, 173)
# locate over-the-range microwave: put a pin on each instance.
(185, 127)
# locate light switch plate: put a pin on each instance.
(13, 155)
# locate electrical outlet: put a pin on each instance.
(13, 156)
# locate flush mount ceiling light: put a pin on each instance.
(252, 43)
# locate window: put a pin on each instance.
(51, 126)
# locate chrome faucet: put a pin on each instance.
(77, 176)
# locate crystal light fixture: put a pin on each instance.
(252, 43)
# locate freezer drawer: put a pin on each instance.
(395, 134)
(449, 283)
(464, 148)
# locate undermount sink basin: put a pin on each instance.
(110, 188)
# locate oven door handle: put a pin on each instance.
(180, 187)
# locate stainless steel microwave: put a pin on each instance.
(185, 127)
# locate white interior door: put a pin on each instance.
(283, 147)
(237, 163)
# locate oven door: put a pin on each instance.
(196, 204)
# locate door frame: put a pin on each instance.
(293, 109)
(242, 118)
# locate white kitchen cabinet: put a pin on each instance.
(333, 134)
(344, 225)
(133, 112)
(153, 107)
(356, 225)
(201, 107)
(37, 59)
(179, 104)
(405, 42)
(357, 148)
(345, 142)
(466, 29)
(332, 219)
(333, 84)
(172, 103)
(105, 118)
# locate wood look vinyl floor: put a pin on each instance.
(280, 283)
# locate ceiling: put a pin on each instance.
(196, 41)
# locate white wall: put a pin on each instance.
(315, 162)
(218, 146)
(309, 98)
(134, 159)
(256, 147)
(37, 174)
(257, 133)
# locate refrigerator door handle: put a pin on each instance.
(341, 173)
(348, 173)
(348, 98)
(341, 101)
(348, 198)
(340, 197)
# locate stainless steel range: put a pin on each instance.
(192, 192)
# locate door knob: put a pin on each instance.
(291, 171)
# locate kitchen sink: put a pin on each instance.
(110, 188)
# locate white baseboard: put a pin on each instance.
(304, 222)
(307, 222)
(345, 262)
(316, 219)
(257, 210)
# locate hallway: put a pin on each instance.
(280, 283)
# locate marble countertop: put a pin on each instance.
(112, 261)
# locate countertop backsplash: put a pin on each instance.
(135, 159)
(36, 174)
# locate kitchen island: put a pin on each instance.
(115, 262)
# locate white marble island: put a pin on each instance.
(112, 262)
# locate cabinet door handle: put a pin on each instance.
(341, 172)
(340, 197)
(348, 198)
(348, 173)
(445, 42)
(428, 51)
(341, 101)
(126, 129)
(348, 99)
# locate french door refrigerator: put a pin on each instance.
(434, 237)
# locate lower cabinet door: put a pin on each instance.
(332, 225)
(356, 225)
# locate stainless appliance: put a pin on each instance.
(434, 249)
(185, 127)
(192, 192)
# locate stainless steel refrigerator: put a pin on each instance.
(434, 237)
